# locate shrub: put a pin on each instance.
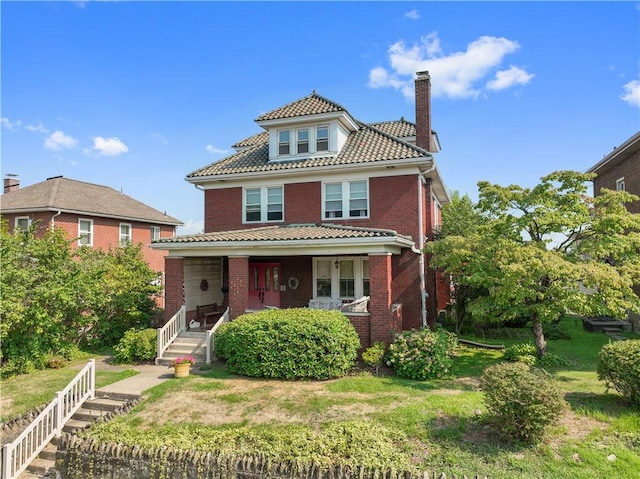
(374, 355)
(521, 400)
(136, 345)
(619, 368)
(422, 354)
(295, 343)
(524, 353)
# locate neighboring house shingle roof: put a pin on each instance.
(285, 233)
(367, 145)
(74, 196)
(313, 104)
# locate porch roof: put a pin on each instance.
(295, 239)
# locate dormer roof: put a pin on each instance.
(313, 104)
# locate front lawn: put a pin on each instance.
(386, 422)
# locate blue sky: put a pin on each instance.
(136, 95)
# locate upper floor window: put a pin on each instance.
(125, 234)
(284, 147)
(155, 233)
(263, 204)
(22, 223)
(303, 140)
(348, 199)
(322, 138)
(620, 185)
(85, 232)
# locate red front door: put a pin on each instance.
(264, 285)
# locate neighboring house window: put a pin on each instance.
(155, 233)
(620, 186)
(283, 142)
(22, 223)
(263, 204)
(303, 140)
(437, 212)
(322, 138)
(341, 278)
(125, 234)
(348, 199)
(85, 232)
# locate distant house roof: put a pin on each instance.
(72, 196)
(618, 153)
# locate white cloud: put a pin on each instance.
(109, 146)
(631, 93)
(39, 128)
(9, 125)
(412, 15)
(508, 78)
(215, 151)
(58, 141)
(191, 227)
(456, 75)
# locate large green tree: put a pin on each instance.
(547, 251)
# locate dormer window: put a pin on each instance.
(303, 140)
(283, 142)
(322, 138)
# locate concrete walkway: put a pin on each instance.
(148, 376)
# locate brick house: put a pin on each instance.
(91, 215)
(620, 170)
(318, 210)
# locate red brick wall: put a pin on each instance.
(629, 168)
(380, 272)
(238, 286)
(300, 267)
(174, 286)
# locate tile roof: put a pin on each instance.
(313, 104)
(398, 128)
(293, 232)
(86, 198)
(367, 145)
(256, 139)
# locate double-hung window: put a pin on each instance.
(347, 199)
(155, 233)
(284, 146)
(303, 140)
(22, 223)
(263, 204)
(85, 232)
(345, 278)
(620, 185)
(125, 234)
(322, 138)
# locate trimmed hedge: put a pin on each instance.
(619, 368)
(422, 354)
(522, 401)
(296, 343)
(136, 345)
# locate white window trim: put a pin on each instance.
(291, 149)
(358, 274)
(121, 237)
(345, 199)
(620, 184)
(18, 218)
(328, 127)
(155, 229)
(298, 140)
(438, 209)
(264, 196)
(80, 232)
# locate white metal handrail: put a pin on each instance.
(211, 338)
(17, 455)
(171, 330)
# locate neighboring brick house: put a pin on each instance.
(92, 215)
(620, 170)
(318, 208)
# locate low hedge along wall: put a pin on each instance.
(295, 343)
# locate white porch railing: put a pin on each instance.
(211, 338)
(170, 331)
(17, 455)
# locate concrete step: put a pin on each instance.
(102, 404)
(40, 466)
(74, 424)
(49, 452)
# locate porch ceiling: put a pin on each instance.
(287, 240)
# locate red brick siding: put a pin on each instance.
(299, 267)
(238, 286)
(361, 324)
(629, 168)
(380, 272)
(174, 286)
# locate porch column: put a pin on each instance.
(173, 285)
(380, 303)
(238, 285)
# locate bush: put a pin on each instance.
(524, 353)
(422, 354)
(295, 343)
(619, 368)
(521, 400)
(374, 355)
(136, 345)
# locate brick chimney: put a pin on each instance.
(11, 183)
(423, 110)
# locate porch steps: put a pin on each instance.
(43, 466)
(192, 343)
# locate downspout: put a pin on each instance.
(423, 287)
(53, 219)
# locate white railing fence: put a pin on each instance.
(171, 330)
(211, 338)
(17, 455)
